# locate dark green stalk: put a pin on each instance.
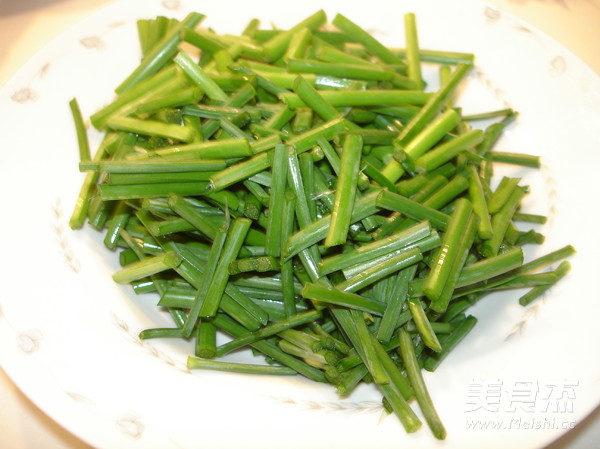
(147, 267)
(119, 218)
(238, 99)
(287, 267)
(271, 350)
(431, 134)
(491, 267)
(300, 42)
(530, 280)
(160, 54)
(179, 98)
(153, 166)
(314, 100)
(448, 150)
(317, 230)
(210, 111)
(258, 191)
(381, 269)
(307, 140)
(308, 356)
(466, 242)
(423, 325)
(371, 97)
(500, 222)
(450, 250)
(345, 191)
(408, 187)
(211, 265)
(338, 297)
(342, 70)
(276, 47)
(424, 245)
(303, 120)
(267, 331)
(530, 218)
(200, 77)
(237, 367)
(160, 332)
(158, 178)
(240, 171)
(192, 215)
(259, 264)
(151, 84)
(413, 57)
(539, 290)
(390, 321)
(202, 39)
(206, 340)
(440, 56)
(397, 380)
(280, 118)
(228, 148)
(82, 139)
(326, 52)
(367, 349)
(547, 259)
(488, 115)
(297, 183)
(394, 202)
(235, 238)
(401, 408)
(449, 342)
(277, 194)
(240, 299)
(447, 193)
(88, 187)
(525, 160)
(358, 34)
(502, 193)
(478, 198)
(493, 133)
(433, 104)
(151, 128)
(413, 371)
(334, 160)
(377, 248)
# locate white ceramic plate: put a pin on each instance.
(69, 334)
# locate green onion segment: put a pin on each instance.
(307, 194)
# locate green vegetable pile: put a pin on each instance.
(304, 193)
